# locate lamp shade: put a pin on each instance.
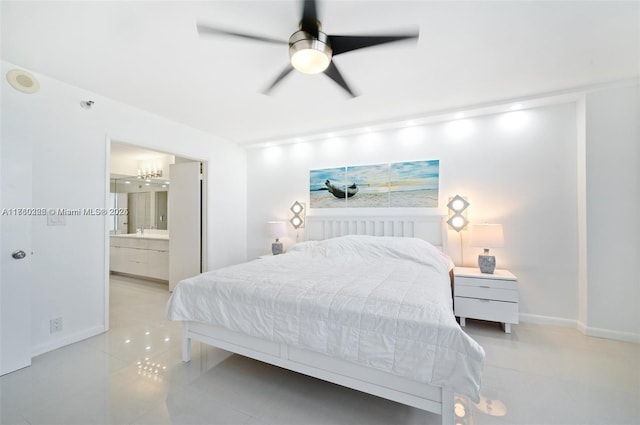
(276, 229)
(486, 236)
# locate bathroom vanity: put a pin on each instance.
(145, 255)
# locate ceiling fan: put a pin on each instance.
(310, 50)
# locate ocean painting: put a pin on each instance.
(412, 184)
(321, 182)
(372, 183)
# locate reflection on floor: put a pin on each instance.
(133, 375)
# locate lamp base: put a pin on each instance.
(487, 263)
(276, 248)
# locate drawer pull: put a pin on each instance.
(484, 286)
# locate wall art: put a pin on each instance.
(413, 184)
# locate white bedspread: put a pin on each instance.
(380, 302)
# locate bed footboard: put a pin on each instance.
(448, 409)
(186, 342)
(420, 395)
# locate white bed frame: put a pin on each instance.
(382, 384)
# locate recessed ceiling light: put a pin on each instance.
(516, 106)
(459, 115)
(23, 81)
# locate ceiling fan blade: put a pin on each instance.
(279, 78)
(309, 22)
(205, 29)
(333, 73)
(347, 43)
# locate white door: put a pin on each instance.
(184, 222)
(15, 225)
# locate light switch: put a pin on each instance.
(56, 220)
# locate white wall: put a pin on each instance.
(71, 170)
(517, 168)
(128, 164)
(613, 210)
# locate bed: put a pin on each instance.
(365, 303)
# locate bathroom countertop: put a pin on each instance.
(144, 236)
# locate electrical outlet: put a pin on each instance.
(55, 325)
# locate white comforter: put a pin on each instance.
(380, 302)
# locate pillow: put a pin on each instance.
(364, 246)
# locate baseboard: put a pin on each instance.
(582, 327)
(67, 340)
(608, 333)
(575, 324)
(548, 320)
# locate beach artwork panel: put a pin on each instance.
(372, 184)
(414, 184)
(324, 184)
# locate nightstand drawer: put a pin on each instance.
(497, 311)
(493, 282)
(486, 292)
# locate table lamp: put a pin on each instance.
(276, 229)
(486, 236)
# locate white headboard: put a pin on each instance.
(426, 227)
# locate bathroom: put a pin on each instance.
(140, 187)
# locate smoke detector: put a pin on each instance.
(23, 81)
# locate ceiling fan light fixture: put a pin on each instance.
(308, 54)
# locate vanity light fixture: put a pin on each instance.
(146, 174)
(457, 213)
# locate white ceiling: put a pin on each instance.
(149, 55)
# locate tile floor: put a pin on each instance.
(133, 375)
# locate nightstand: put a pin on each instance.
(485, 296)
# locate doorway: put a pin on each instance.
(158, 230)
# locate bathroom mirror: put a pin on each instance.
(145, 200)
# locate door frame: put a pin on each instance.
(203, 212)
